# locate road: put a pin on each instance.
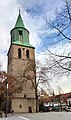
(40, 116)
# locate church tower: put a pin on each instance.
(21, 57)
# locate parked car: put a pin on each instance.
(56, 108)
(68, 109)
(0, 113)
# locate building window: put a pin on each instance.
(20, 32)
(20, 35)
(20, 106)
(19, 53)
(27, 53)
(25, 96)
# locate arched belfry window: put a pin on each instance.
(20, 35)
(27, 53)
(19, 53)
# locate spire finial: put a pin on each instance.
(19, 10)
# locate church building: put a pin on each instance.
(21, 56)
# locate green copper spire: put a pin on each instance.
(19, 22)
(19, 34)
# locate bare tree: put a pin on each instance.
(11, 80)
(42, 79)
(35, 74)
(60, 26)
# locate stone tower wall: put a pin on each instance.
(25, 101)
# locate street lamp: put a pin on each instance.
(6, 98)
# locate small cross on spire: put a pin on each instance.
(19, 10)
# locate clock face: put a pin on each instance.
(23, 49)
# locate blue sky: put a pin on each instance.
(32, 12)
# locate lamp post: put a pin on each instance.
(6, 99)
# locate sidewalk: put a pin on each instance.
(13, 117)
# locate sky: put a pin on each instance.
(32, 12)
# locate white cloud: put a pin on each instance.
(8, 16)
(64, 81)
(33, 25)
(44, 5)
(8, 10)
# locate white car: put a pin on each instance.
(68, 109)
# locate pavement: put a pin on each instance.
(40, 116)
(14, 118)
